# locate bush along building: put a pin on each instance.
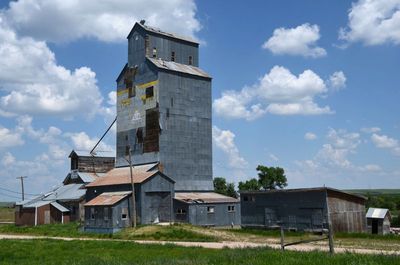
(164, 118)
(303, 209)
(64, 203)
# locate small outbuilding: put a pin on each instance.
(41, 212)
(308, 209)
(206, 209)
(154, 193)
(378, 221)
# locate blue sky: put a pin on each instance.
(311, 86)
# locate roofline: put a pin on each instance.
(142, 164)
(122, 71)
(175, 37)
(194, 202)
(174, 71)
(74, 152)
(144, 181)
(303, 190)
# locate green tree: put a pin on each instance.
(222, 187)
(230, 190)
(249, 185)
(271, 178)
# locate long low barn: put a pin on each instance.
(303, 209)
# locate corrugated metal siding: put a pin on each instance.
(186, 142)
(199, 215)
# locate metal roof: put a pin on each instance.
(304, 190)
(84, 153)
(66, 192)
(203, 197)
(378, 213)
(35, 204)
(178, 67)
(108, 198)
(121, 175)
(59, 207)
(160, 32)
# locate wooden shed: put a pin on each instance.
(308, 209)
(378, 221)
(41, 212)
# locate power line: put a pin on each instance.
(18, 192)
(10, 196)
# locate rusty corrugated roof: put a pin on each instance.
(108, 198)
(203, 197)
(178, 67)
(121, 175)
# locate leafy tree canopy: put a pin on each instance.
(271, 178)
(222, 187)
(249, 185)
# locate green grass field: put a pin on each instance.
(7, 214)
(45, 252)
(174, 232)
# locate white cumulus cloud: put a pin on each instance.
(296, 41)
(310, 136)
(386, 142)
(373, 22)
(277, 92)
(32, 81)
(105, 20)
(337, 80)
(225, 141)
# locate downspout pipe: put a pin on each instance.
(36, 216)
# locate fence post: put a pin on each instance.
(330, 236)
(282, 238)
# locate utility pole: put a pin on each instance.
(22, 186)
(133, 210)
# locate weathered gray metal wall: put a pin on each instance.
(153, 198)
(113, 222)
(296, 210)
(199, 214)
(185, 141)
(157, 197)
(164, 47)
(183, 103)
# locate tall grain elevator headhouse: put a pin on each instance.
(164, 117)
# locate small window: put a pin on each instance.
(150, 92)
(190, 60)
(92, 215)
(154, 52)
(231, 208)
(124, 213)
(132, 92)
(247, 198)
(173, 56)
(106, 213)
(172, 102)
(210, 209)
(181, 211)
(167, 113)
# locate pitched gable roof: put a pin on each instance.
(162, 33)
(108, 198)
(178, 67)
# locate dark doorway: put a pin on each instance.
(374, 226)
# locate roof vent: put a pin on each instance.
(142, 21)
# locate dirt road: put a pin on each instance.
(214, 245)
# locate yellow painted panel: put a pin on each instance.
(122, 92)
(152, 83)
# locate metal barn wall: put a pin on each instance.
(185, 141)
(93, 164)
(182, 217)
(92, 192)
(24, 216)
(113, 222)
(347, 214)
(164, 47)
(198, 214)
(300, 210)
(157, 194)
